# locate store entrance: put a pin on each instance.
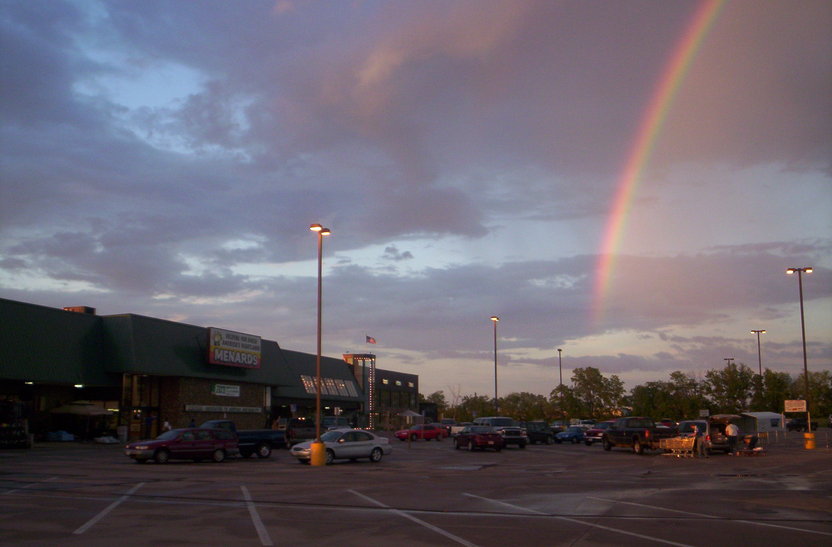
(140, 406)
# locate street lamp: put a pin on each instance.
(495, 320)
(728, 360)
(560, 385)
(759, 354)
(800, 272)
(317, 454)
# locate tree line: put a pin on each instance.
(733, 389)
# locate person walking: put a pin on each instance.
(699, 442)
(732, 432)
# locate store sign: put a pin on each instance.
(224, 390)
(233, 349)
(797, 405)
(224, 409)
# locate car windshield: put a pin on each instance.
(332, 436)
(574, 429)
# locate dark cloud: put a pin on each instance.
(166, 158)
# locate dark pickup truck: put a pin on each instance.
(252, 441)
(638, 433)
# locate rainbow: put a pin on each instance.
(648, 132)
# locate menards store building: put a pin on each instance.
(147, 371)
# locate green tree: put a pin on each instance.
(598, 396)
(437, 398)
(729, 389)
(474, 406)
(525, 406)
(774, 388)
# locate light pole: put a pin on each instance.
(495, 320)
(317, 455)
(728, 360)
(560, 384)
(759, 354)
(800, 272)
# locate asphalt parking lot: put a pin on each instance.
(425, 493)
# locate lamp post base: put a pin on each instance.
(317, 454)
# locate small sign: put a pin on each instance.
(224, 390)
(704, 413)
(796, 405)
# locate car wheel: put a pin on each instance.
(522, 445)
(413, 437)
(330, 456)
(376, 455)
(638, 448)
(548, 440)
(456, 445)
(218, 455)
(161, 456)
(605, 442)
(574, 440)
(498, 448)
(263, 450)
(588, 443)
(557, 441)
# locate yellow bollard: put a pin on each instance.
(317, 453)
(809, 441)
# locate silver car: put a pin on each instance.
(346, 444)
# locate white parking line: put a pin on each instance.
(416, 520)
(30, 485)
(255, 518)
(109, 508)
(712, 516)
(576, 521)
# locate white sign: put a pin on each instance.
(797, 405)
(224, 409)
(234, 349)
(704, 413)
(224, 390)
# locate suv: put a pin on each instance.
(539, 432)
(511, 432)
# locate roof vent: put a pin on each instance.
(81, 309)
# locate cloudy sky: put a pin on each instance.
(627, 181)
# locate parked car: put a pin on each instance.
(346, 444)
(447, 423)
(539, 432)
(507, 427)
(478, 436)
(593, 435)
(192, 443)
(443, 431)
(573, 434)
(252, 441)
(636, 432)
(420, 431)
(457, 428)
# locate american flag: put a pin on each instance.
(371, 340)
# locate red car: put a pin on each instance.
(479, 436)
(192, 443)
(421, 431)
(594, 434)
